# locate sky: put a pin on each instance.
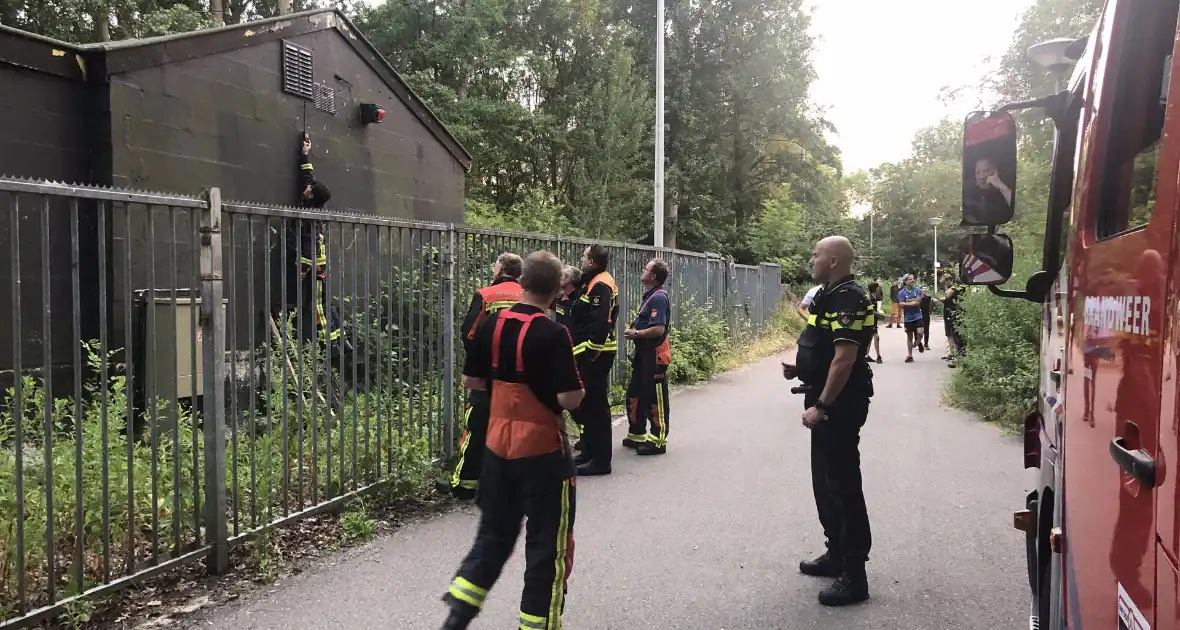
(881, 65)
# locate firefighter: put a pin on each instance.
(837, 387)
(592, 326)
(305, 240)
(647, 393)
(570, 280)
(527, 362)
(502, 293)
(571, 277)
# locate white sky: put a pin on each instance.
(881, 65)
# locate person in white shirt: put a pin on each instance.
(805, 304)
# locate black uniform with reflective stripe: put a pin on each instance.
(841, 311)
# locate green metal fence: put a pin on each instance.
(166, 394)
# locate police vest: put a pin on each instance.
(519, 425)
(817, 346)
(496, 297)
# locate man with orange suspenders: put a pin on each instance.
(502, 293)
(526, 360)
(592, 326)
(647, 393)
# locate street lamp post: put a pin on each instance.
(935, 221)
(658, 210)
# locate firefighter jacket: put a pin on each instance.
(305, 237)
(497, 296)
(562, 308)
(593, 316)
(841, 311)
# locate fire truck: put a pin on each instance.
(1101, 522)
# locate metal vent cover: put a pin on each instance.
(325, 98)
(297, 71)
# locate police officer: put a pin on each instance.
(593, 330)
(837, 386)
(502, 293)
(647, 393)
(527, 362)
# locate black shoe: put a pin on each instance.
(823, 566)
(461, 614)
(651, 449)
(629, 443)
(593, 469)
(879, 360)
(909, 359)
(921, 348)
(852, 587)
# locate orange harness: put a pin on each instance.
(519, 425)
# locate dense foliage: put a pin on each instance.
(555, 100)
(998, 378)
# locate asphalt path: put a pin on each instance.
(709, 536)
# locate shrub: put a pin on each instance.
(697, 345)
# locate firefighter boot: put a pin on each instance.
(852, 587)
(823, 566)
(460, 617)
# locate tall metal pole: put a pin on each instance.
(658, 210)
(935, 254)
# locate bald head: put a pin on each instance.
(832, 259)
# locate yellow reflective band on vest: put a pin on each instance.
(499, 306)
(611, 345)
(829, 321)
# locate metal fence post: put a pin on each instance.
(449, 249)
(213, 389)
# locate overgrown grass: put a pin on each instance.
(141, 489)
(997, 379)
(703, 346)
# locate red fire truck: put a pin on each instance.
(1102, 520)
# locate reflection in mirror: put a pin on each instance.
(985, 259)
(989, 168)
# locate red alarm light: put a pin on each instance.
(372, 114)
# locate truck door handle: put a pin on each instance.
(1055, 376)
(1139, 465)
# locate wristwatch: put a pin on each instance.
(819, 404)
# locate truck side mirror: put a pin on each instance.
(989, 168)
(985, 259)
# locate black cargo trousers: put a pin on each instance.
(594, 413)
(836, 477)
(540, 491)
(473, 440)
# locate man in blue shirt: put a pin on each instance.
(911, 306)
(647, 393)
